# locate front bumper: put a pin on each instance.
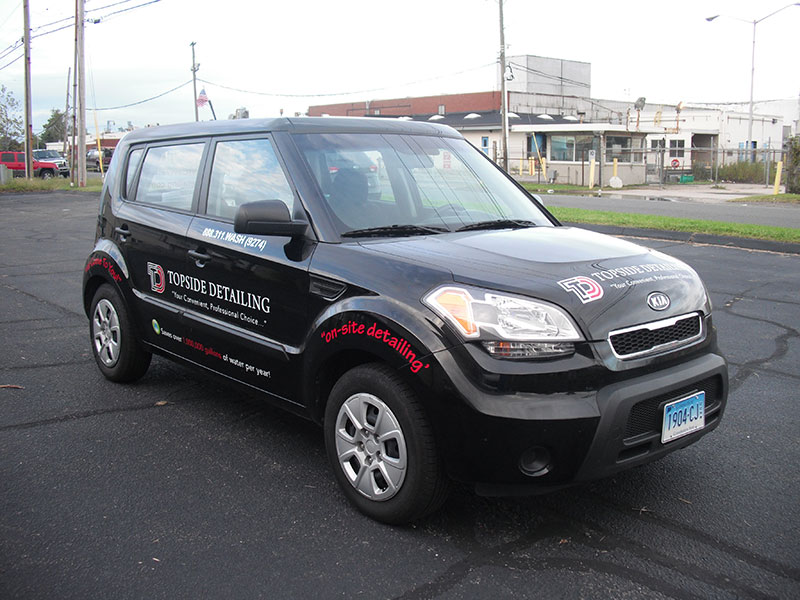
(586, 434)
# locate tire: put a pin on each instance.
(116, 349)
(381, 446)
(46, 174)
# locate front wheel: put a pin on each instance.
(116, 349)
(381, 446)
(46, 174)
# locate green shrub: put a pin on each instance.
(792, 167)
(745, 172)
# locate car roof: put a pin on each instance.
(291, 125)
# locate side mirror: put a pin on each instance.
(267, 217)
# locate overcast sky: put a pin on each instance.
(665, 51)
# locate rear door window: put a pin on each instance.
(245, 171)
(169, 175)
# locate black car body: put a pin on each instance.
(447, 328)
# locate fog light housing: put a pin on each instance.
(535, 461)
(527, 350)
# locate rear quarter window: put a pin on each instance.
(134, 159)
(169, 175)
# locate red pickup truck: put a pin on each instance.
(15, 161)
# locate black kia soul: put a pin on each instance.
(445, 328)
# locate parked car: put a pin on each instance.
(451, 330)
(15, 161)
(93, 159)
(54, 157)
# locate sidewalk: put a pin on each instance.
(697, 192)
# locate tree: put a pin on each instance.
(11, 129)
(54, 128)
(793, 166)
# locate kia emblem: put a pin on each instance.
(658, 301)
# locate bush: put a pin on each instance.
(792, 166)
(745, 172)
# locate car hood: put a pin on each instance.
(602, 281)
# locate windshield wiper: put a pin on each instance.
(498, 224)
(395, 230)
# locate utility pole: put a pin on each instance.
(81, 103)
(504, 100)
(195, 66)
(73, 153)
(750, 153)
(66, 115)
(28, 124)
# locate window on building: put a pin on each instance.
(441, 109)
(245, 171)
(584, 144)
(676, 148)
(618, 147)
(168, 176)
(657, 144)
(572, 148)
(485, 144)
(377, 111)
(562, 147)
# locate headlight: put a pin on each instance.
(508, 326)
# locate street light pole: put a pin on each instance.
(195, 66)
(504, 99)
(753, 71)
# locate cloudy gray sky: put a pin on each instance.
(290, 54)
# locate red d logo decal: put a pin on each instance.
(588, 290)
(157, 280)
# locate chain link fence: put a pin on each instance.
(657, 165)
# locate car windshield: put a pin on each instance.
(372, 182)
(46, 154)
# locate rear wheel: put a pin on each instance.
(381, 446)
(116, 349)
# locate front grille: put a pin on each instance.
(658, 336)
(646, 415)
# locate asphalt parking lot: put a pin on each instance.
(179, 487)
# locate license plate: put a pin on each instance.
(683, 416)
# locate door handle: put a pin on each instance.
(200, 257)
(123, 232)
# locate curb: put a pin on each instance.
(699, 238)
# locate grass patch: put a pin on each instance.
(541, 188)
(20, 184)
(599, 217)
(779, 199)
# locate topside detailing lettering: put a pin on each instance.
(398, 343)
(245, 241)
(216, 291)
(589, 290)
(637, 270)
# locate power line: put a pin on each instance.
(72, 17)
(550, 76)
(16, 45)
(116, 12)
(11, 14)
(8, 64)
(282, 95)
(9, 49)
(177, 87)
